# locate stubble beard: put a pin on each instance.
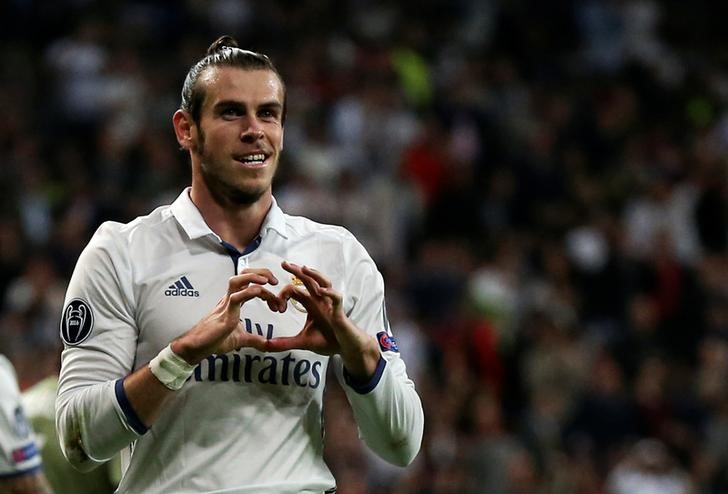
(223, 192)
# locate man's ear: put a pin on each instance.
(182, 122)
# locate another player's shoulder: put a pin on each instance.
(39, 399)
(7, 375)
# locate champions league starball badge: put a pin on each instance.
(295, 281)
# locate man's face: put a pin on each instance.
(238, 140)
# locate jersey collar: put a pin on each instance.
(189, 217)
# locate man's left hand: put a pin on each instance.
(327, 329)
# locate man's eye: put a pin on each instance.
(268, 114)
(231, 112)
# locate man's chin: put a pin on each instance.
(237, 197)
(228, 195)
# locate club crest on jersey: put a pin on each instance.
(387, 342)
(295, 281)
(77, 322)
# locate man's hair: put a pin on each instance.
(223, 52)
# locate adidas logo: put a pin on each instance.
(181, 288)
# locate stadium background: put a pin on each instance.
(543, 185)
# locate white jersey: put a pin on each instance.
(18, 451)
(246, 421)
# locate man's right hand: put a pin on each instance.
(220, 331)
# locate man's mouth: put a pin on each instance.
(252, 159)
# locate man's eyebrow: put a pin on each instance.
(229, 103)
(239, 104)
(271, 105)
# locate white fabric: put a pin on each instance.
(245, 421)
(18, 451)
(170, 369)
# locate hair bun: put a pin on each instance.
(221, 43)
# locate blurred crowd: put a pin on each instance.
(543, 185)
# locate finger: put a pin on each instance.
(304, 296)
(239, 282)
(251, 275)
(284, 343)
(294, 269)
(301, 295)
(314, 342)
(316, 275)
(263, 272)
(249, 340)
(296, 293)
(336, 297)
(276, 304)
(309, 282)
(254, 291)
(290, 267)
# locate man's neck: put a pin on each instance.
(238, 226)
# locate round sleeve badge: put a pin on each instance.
(77, 322)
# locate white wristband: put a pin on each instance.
(171, 369)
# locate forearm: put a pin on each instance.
(91, 424)
(137, 401)
(32, 483)
(389, 415)
(146, 395)
(358, 350)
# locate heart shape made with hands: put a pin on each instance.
(326, 331)
(310, 292)
(308, 289)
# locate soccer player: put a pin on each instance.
(39, 404)
(197, 338)
(20, 463)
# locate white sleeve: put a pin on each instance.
(93, 417)
(387, 409)
(18, 451)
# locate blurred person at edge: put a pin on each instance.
(39, 404)
(649, 468)
(20, 462)
(198, 370)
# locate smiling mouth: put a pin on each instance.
(252, 160)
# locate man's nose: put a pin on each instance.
(252, 132)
